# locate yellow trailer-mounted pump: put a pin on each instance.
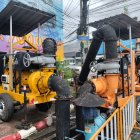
(31, 74)
(25, 73)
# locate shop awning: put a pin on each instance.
(25, 18)
(120, 23)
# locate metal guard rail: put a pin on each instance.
(103, 132)
(127, 118)
(120, 124)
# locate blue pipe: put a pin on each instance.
(92, 128)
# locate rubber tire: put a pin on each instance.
(9, 107)
(44, 107)
(49, 46)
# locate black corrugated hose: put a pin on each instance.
(106, 34)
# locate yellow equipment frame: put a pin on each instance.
(31, 97)
(25, 39)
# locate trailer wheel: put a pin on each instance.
(6, 107)
(44, 107)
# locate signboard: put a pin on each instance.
(83, 38)
(127, 43)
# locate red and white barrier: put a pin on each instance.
(23, 134)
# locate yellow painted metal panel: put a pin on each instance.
(32, 98)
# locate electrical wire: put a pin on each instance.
(63, 27)
(69, 24)
(116, 8)
(99, 27)
(95, 2)
(64, 20)
(60, 10)
(68, 7)
(71, 33)
(110, 13)
(61, 18)
(66, 29)
(70, 41)
(109, 5)
(74, 7)
(105, 6)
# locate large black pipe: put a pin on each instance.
(80, 121)
(62, 106)
(106, 34)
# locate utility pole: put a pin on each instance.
(83, 17)
(82, 30)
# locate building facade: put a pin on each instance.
(51, 29)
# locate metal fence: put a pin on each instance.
(109, 130)
(127, 112)
(120, 124)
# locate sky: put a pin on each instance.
(98, 9)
